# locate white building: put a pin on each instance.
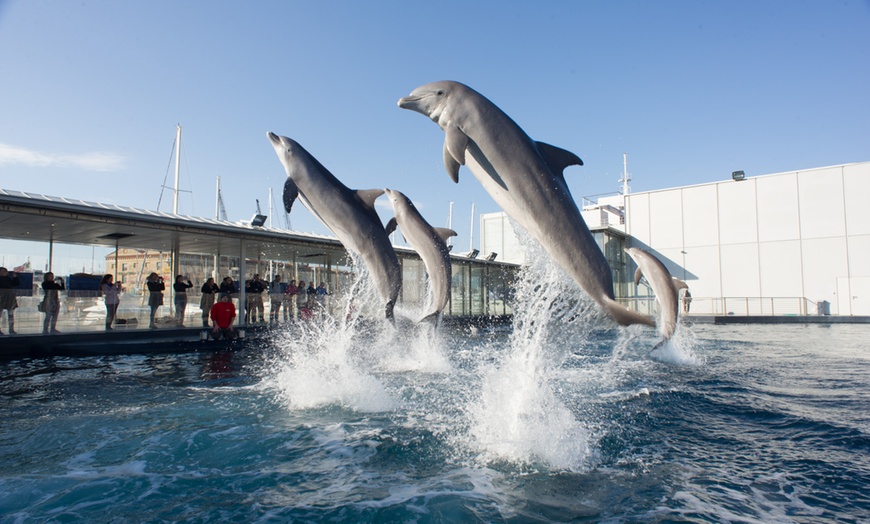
(795, 235)
(784, 243)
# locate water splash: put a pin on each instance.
(680, 349)
(518, 416)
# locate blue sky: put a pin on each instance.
(91, 93)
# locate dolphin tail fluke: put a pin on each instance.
(625, 316)
(432, 318)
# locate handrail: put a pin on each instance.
(736, 306)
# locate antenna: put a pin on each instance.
(450, 224)
(626, 176)
(471, 240)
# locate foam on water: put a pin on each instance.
(680, 349)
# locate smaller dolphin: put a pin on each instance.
(663, 286)
(430, 243)
(349, 214)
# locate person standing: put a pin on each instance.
(155, 298)
(8, 300)
(290, 300)
(209, 289)
(112, 297)
(322, 293)
(312, 295)
(276, 297)
(302, 301)
(255, 299)
(51, 302)
(181, 286)
(222, 314)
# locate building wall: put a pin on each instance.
(497, 236)
(795, 234)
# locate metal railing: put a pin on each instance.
(736, 306)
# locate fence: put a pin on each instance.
(737, 306)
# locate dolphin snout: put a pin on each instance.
(409, 102)
(273, 137)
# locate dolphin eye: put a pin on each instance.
(440, 92)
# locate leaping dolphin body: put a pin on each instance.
(525, 178)
(350, 215)
(663, 286)
(430, 243)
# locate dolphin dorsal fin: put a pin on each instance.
(290, 193)
(557, 158)
(679, 284)
(445, 233)
(391, 226)
(637, 274)
(368, 196)
(451, 165)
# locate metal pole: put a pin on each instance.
(177, 167)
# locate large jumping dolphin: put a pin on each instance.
(430, 243)
(349, 214)
(525, 178)
(663, 286)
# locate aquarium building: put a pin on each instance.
(791, 243)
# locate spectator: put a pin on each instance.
(223, 313)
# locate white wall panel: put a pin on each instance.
(702, 271)
(821, 203)
(778, 215)
(781, 269)
(740, 271)
(700, 216)
(859, 256)
(824, 260)
(666, 219)
(737, 216)
(856, 181)
(638, 217)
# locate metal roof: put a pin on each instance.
(42, 218)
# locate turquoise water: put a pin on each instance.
(558, 420)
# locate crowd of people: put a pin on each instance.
(301, 301)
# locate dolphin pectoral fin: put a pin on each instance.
(451, 165)
(368, 196)
(290, 194)
(557, 158)
(445, 233)
(391, 226)
(624, 316)
(456, 141)
(637, 274)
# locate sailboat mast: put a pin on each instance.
(177, 167)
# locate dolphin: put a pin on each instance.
(349, 214)
(430, 243)
(525, 178)
(662, 284)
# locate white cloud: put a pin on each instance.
(95, 161)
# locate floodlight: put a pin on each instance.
(473, 253)
(258, 220)
(491, 256)
(738, 175)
